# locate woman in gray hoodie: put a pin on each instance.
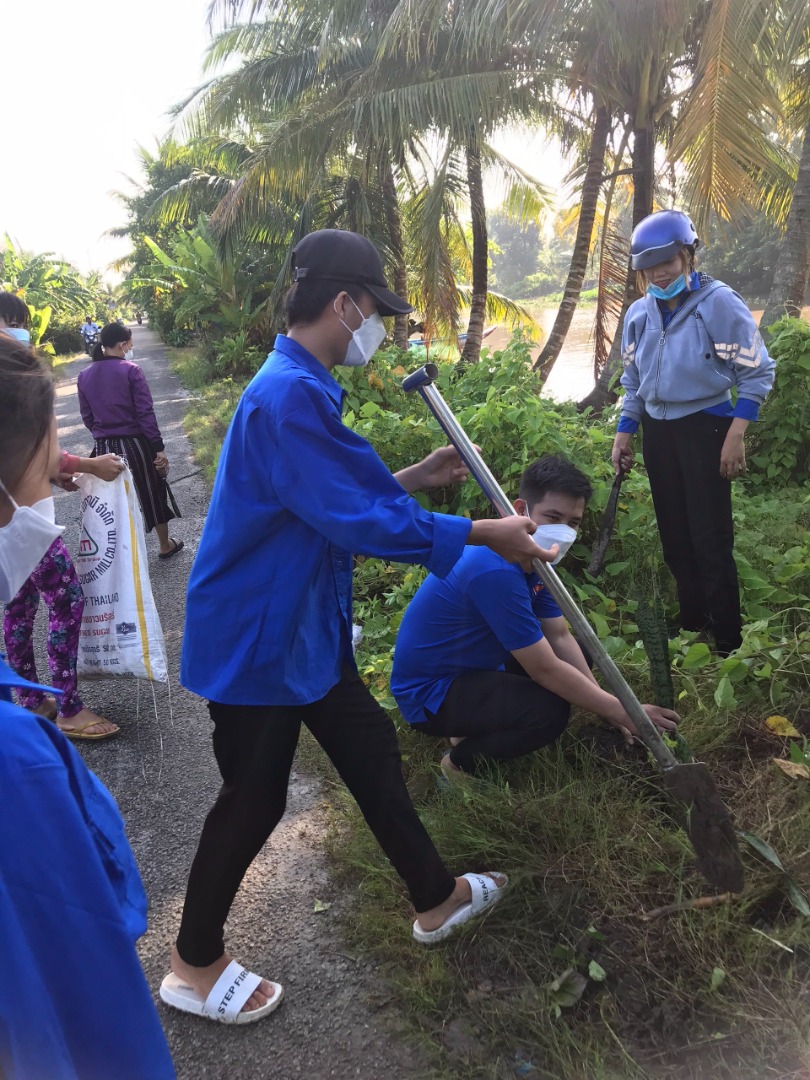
(687, 344)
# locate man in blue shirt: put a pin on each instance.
(89, 329)
(467, 643)
(269, 627)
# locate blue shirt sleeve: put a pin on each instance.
(71, 905)
(544, 605)
(628, 423)
(503, 601)
(746, 409)
(330, 477)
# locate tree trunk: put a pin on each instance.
(793, 266)
(603, 393)
(471, 352)
(393, 218)
(591, 187)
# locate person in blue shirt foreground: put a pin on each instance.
(485, 657)
(268, 636)
(686, 344)
(74, 1003)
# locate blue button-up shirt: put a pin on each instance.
(74, 1003)
(268, 615)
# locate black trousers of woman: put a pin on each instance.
(501, 715)
(693, 509)
(254, 748)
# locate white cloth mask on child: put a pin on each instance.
(24, 541)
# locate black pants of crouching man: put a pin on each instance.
(693, 508)
(501, 715)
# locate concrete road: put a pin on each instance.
(162, 773)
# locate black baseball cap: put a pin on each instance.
(349, 259)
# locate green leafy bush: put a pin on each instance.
(64, 337)
(178, 338)
(498, 405)
(780, 442)
(235, 355)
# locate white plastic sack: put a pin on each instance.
(121, 633)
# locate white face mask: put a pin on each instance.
(546, 536)
(24, 541)
(366, 339)
(18, 332)
(129, 355)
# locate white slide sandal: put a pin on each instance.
(486, 892)
(228, 994)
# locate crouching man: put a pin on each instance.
(484, 656)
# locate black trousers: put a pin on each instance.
(693, 508)
(501, 714)
(254, 748)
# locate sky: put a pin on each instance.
(91, 80)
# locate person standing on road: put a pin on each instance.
(117, 408)
(686, 345)
(54, 579)
(268, 633)
(74, 1003)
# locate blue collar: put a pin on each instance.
(10, 680)
(311, 364)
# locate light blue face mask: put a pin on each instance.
(671, 291)
(18, 332)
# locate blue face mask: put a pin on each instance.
(18, 332)
(672, 290)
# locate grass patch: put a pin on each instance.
(210, 409)
(564, 979)
(59, 361)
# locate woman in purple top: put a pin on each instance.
(117, 409)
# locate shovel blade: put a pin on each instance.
(708, 825)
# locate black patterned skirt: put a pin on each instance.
(154, 494)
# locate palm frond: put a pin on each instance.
(525, 198)
(722, 134)
(614, 253)
(501, 308)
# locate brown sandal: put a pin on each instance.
(81, 732)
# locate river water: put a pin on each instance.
(572, 374)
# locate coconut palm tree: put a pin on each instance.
(716, 104)
(317, 100)
(793, 266)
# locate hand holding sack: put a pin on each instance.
(121, 632)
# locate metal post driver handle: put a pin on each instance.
(422, 381)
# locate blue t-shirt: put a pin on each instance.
(484, 609)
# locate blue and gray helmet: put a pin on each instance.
(659, 238)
